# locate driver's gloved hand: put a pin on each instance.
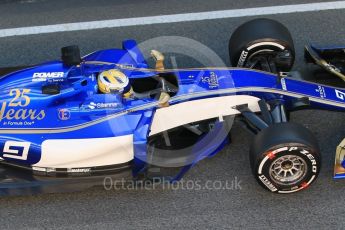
(159, 58)
(163, 100)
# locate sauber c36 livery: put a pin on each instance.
(65, 125)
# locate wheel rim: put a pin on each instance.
(270, 60)
(288, 169)
(263, 60)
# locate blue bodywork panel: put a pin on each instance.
(80, 111)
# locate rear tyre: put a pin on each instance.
(262, 44)
(285, 158)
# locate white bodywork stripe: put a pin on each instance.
(91, 152)
(174, 99)
(197, 110)
(185, 17)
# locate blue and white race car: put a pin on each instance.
(65, 125)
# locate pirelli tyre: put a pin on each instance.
(263, 44)
(285, 158)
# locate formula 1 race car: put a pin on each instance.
(65, 125)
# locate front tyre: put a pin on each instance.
(262, 44)
(285, 158)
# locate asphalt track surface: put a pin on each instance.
(320, 207)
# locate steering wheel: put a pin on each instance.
(163, 87)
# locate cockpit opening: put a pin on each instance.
(116, 82)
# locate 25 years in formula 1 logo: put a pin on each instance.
(15, 111)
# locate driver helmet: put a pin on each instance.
(114, 81)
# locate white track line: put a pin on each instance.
(186, 17)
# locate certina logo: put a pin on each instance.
(94, 105)
(43, 76)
